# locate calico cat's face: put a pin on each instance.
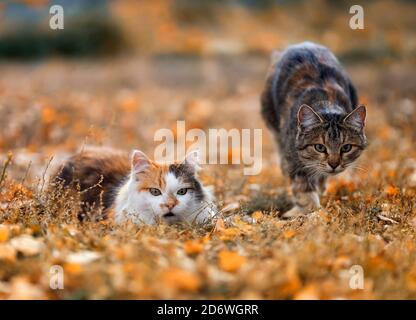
(329, 143)
(162, 192)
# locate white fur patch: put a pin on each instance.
(143, 207)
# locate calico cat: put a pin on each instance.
(311, 106)
(137, 188)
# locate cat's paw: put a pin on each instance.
(293, 213)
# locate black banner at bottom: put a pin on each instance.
(199, 309)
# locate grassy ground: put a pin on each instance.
(50, 109)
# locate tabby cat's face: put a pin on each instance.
(329, 143)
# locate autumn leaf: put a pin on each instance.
(229, 233)
(7, 253)
(411, 280)
(230, 261)
(257, 215)
(73, 268)
(287, 234)
(310, 292)
(392, 191)
(193, 247)
(292, 281)
(180, 279)
(380, 263)
(128, 102)
(48, 115)
(4, 233)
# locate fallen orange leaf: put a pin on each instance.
(4, 233)
(257, 215)
(229, 234)
(193, 247)
(180, 279)
(73, 268)
(230, 261)
(391, 191)
(310, 292)
(7, 253)
(48, 114)
(411, 280)
(287, 234)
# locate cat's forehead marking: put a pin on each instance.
(181, 170)
(333, 133)
(154, 176)
(173, 183)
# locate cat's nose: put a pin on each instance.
(333, 163)
(170, 205)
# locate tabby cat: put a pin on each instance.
(137, 188)
(311, 106)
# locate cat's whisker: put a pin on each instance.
(202, 209)
(359, 168)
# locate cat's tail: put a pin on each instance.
(95, 173)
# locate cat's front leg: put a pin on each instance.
(305, 195)
(321, 185)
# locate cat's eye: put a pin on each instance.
(346, 148)
(182, 191)
(155, 192)
(320, 148)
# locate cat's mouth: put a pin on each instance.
(337, 170)
(171, 218)
(169, 215)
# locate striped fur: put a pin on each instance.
(310, 104)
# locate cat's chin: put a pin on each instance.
(334, 172)
(329, 173)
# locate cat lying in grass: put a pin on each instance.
(311, 106)
(138, 189)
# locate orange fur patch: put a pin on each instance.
(96, 171)
(153, 177)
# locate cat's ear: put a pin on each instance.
(307, 117)
(356, 118)
(139, 161)
(192, 159)
(275, 56)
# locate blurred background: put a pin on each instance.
(204, 28)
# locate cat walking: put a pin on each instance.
(138, 189)
(311, 106)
